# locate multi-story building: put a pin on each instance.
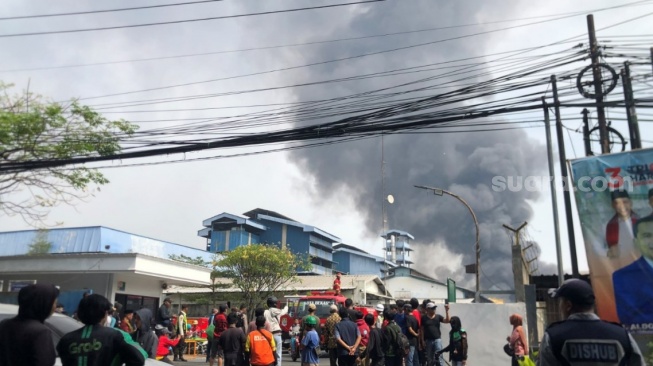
(397, 247)
(227, 231)
(355, 261)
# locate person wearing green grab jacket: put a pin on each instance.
(457, 347)
(95, 344)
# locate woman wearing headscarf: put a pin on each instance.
(24, 339)
(457, 347)
(517, 340)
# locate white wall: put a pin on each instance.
(487, 327)
(137, 285)
(409, 287)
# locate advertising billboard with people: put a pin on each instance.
(614, 198)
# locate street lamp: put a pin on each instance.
(440, 192)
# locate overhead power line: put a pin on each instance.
(186, 20)
(106, 10)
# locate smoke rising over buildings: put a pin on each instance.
(463, 163)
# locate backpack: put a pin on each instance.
(241, 321)
(395, 342)
(403, 345)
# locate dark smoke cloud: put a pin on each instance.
(461, 163)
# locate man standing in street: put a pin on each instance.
(430, 335)
(390, 334)
(220, 324)
(412, 333)
(379, 318)
(348, 338)
(232, 342)
(582, 338)
(260, 347)
(272, 315)
(214, 311)
(330, 327)
(182, 328)
(163, 315)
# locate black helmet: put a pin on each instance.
(272, 301)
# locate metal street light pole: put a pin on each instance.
(440, 192)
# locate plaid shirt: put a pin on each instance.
(330, 326)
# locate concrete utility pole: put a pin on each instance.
(631, 112)
(518, 263)
(565, 180)
(554, 194)
(598, 85)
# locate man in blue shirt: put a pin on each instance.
(400, 317)
(348, 338)
(310, 343)
(633, 284)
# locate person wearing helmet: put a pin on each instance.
(310, 342)
(272, 316)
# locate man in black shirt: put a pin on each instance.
(349, 304)
(232, 342)
(429, 334)
(95, 344)
(412, 333)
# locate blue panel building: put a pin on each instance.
(227, 231)
(355, 261)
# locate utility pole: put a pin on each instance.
(631, 112)
(586, 132)
(565, 180)
(554, 194)
(598, 85)
(518, 264)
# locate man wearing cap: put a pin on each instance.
(379, 318)
(330, 327)
(302, 326)
(310, 343)
(429, 333)
(633, 284)
(163, 315)
(619, 230)
(582, 338)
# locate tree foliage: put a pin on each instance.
(40, 244)
(260, 270)
(32, 129)
(215, 284)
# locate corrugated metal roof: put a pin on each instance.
(94, 239)
(399, 232)
(305, 283)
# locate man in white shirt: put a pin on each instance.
(272, 315)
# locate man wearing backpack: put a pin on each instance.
(429, 334)
(209, 334)
(391, 334)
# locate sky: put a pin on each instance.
(338, 188)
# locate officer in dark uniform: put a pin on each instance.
(584, 339)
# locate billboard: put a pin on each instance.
(614, 198)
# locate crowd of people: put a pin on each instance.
(406, 333)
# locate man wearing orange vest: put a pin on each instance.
(260, 347)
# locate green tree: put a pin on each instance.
(215, 279)
(40, 244)
(32, 129)
(260, 270)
